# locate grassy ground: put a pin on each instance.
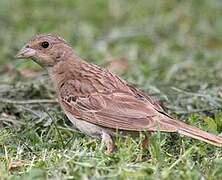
(170, 49)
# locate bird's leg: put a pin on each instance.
(109, 143)
(145, 142)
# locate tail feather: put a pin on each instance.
(199, 134)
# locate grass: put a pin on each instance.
(172, 51)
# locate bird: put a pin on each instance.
(98, 102)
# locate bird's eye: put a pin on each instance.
(45, 44)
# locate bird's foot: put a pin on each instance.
(109, 143)
(144, 147)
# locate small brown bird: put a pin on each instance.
(98, 102)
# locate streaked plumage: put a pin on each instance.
(99, 102)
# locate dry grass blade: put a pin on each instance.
(33, 101)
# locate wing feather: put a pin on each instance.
(118, 110)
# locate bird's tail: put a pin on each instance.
(196, 133)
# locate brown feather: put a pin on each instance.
(95, 96)
(105, 100)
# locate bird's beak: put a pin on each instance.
(25, 53)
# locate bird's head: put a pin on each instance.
(47, 50)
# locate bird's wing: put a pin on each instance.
(141, 94)
(118, 110)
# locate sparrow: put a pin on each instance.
(98, 102)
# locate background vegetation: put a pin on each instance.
(171, 49)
